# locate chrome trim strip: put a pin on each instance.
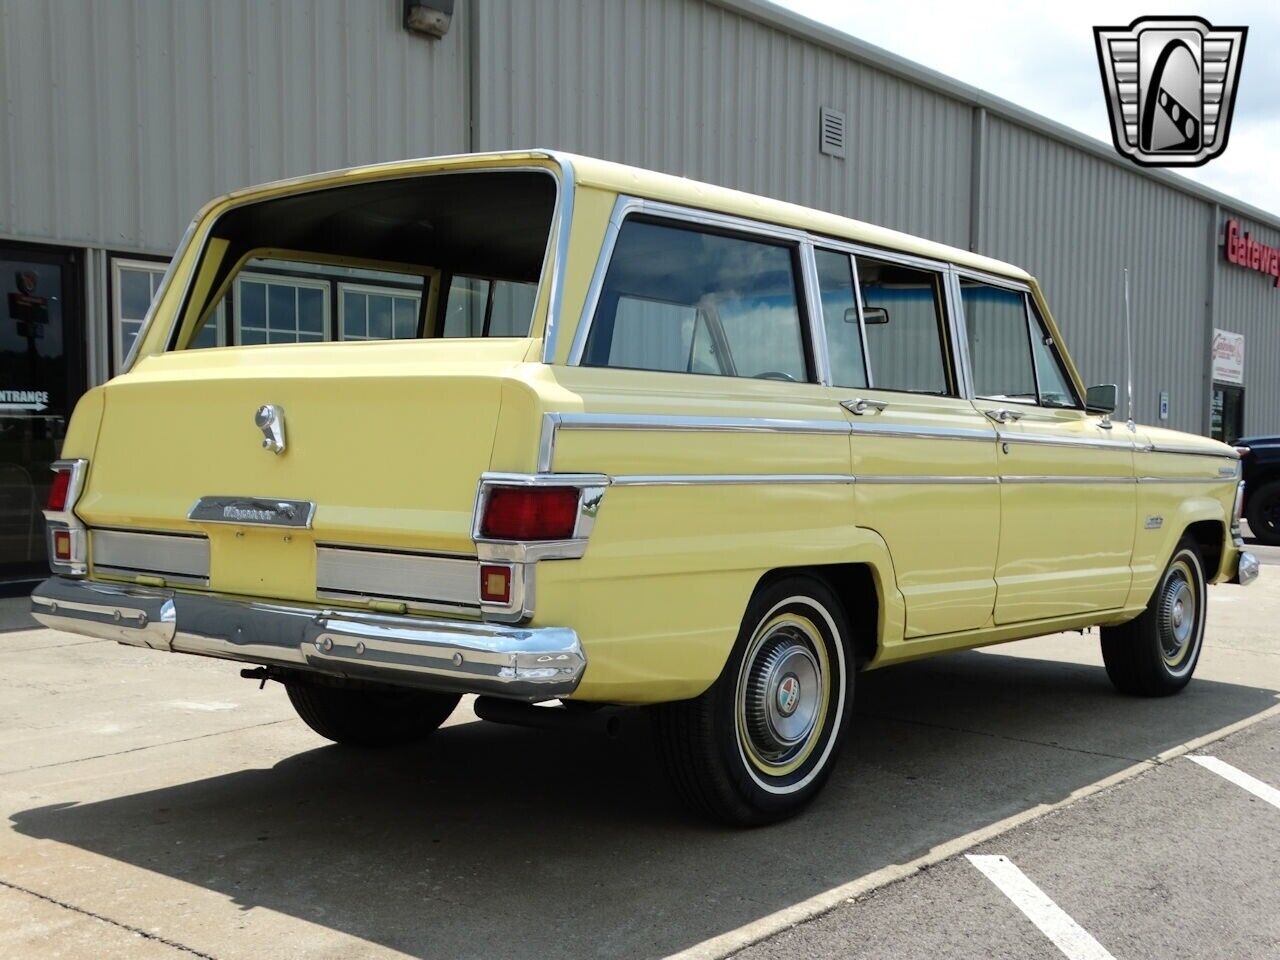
(878, 428)
(1063, 478)
(417, 580)
(1052, 441)
(1217, 480)
(925, 479)
(67, 520)
(181, 558)
(1227, 454)
(527, 663)
(958, 330)
(699, 479)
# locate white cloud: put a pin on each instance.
(1042, 57)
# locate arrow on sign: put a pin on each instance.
(37, 407)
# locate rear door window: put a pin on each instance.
(684, 300)
(902, 308)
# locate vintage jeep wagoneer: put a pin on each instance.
(545, 428)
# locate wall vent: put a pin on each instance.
(831, 132)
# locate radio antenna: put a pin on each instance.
(1128, 349)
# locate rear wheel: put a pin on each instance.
(760, 743)
(1156, 654)
(1264, 513)
(362, 717)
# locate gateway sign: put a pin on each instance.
(1228, 356)
(1244, 251)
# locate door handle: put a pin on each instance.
(1003, 416)
(860, 406)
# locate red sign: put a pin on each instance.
(1244, 251)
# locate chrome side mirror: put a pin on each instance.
(1102, 399)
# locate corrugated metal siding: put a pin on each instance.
(1075, 221)
(1246, 301)
(696, 90)
(124, 116)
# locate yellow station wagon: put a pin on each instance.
(544, 428)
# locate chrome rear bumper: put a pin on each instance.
(526, 663)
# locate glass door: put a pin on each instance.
(41, 377)
(1227, 413)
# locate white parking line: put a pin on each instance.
(1241, 779)
(1067, 935)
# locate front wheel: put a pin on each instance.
(759, 744)
(1155, 654)
(369, 717)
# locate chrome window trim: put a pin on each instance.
(994, 279)
(554, 257)
(78, 565)
(958, 329)
(627, 205)
(812, 296)
(815, 296)
(887, 254)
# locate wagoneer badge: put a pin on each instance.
(269, 418)
(253, 511)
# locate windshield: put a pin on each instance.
(450, 255)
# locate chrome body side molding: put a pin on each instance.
(524, 663)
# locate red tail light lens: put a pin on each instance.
(58, 491)
(530, 513)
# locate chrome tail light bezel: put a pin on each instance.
(65, 520)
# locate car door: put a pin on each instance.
(1067, 486)
(922, 456)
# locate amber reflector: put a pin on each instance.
(495, 583)
(62, 544)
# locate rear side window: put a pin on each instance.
(840, 318)
(903, 315)
(684, 300)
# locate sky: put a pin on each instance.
(1042, 56)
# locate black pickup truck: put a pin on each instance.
(1262, 486)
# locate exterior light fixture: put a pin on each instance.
(430, 18)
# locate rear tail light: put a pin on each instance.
(58, 490)
(530, 513)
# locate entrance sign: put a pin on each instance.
(1228, 356)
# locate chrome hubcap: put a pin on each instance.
(1177, 614)
(781, 694)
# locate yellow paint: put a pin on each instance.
(390, 438)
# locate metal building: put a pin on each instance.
(122, 116)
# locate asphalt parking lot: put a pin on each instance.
(160, 806)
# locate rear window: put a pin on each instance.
(451, 255)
